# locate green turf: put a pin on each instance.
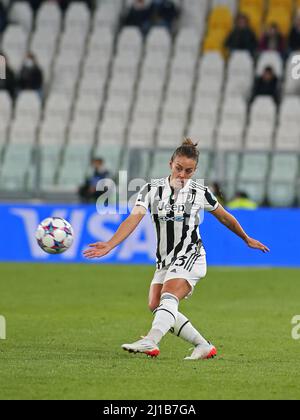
(65, 325)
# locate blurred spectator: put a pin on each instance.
(242, 37)
(31, 76)
(3, 17)
(242, 201)
(272, 40)
(87, 192)
(9, 83)
(139, 15)
(267, 85)
(294, 36)
(216, 190)
(164, 13)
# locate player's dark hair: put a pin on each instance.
(188, 149)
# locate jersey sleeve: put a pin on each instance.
(210, 201)
(143, 198)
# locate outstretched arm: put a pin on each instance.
(231, 223)
(100, 249)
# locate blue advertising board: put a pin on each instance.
(278, 229)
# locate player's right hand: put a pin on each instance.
(97, 250)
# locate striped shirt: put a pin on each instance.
(176, 216)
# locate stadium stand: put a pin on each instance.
(110, 91)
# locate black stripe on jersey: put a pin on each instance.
(186, 226)
(210, 199)
(171, 226)
(188, 261)
(198, 186)
(157, 223)
(195, 241)
(181, 328)
(192, 263)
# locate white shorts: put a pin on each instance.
(191, 268)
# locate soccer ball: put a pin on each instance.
(54, 235)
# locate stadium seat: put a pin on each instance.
(88, 107)
(159, 41)
(212, 63)
(209, 87)
(175, 110)
(220, 18)
(28, 106)
(49, 15)
(234, 108)
(130, 39)
(77, 15)
(282, 17)
(150, 85)
(205, 109)
(122, 85)
(160, 163)
(82, 133)
(108, 14)
(289, 110)
(170, 133)
(283, 176)
(203, 166)
(52, 133)
(93, 85)
(14, 45)
(238, 86)
(188, 40)
(146, 107)
(111, 132)
(180, 85)
(184, 63)
(58, 106)
(15, 166)
(259, 137)
(272, 59)
(117, 108)
(156, 64)
(288, 137)
(21, 13)
(101, 39)
(230, 135)
(23, 131)
(230, 4)
(5, 106)
(263, 109)
(141, 134)
(253, 173)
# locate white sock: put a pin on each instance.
(164, 317)
(185, 330)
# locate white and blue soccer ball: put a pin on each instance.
(54, 235)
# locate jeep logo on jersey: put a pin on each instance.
(174, 208)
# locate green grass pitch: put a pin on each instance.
(66, 323)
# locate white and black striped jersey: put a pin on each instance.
(176, 217)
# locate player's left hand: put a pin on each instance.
(253, 243)
(97, 250)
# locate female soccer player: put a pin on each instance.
(175, 204)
